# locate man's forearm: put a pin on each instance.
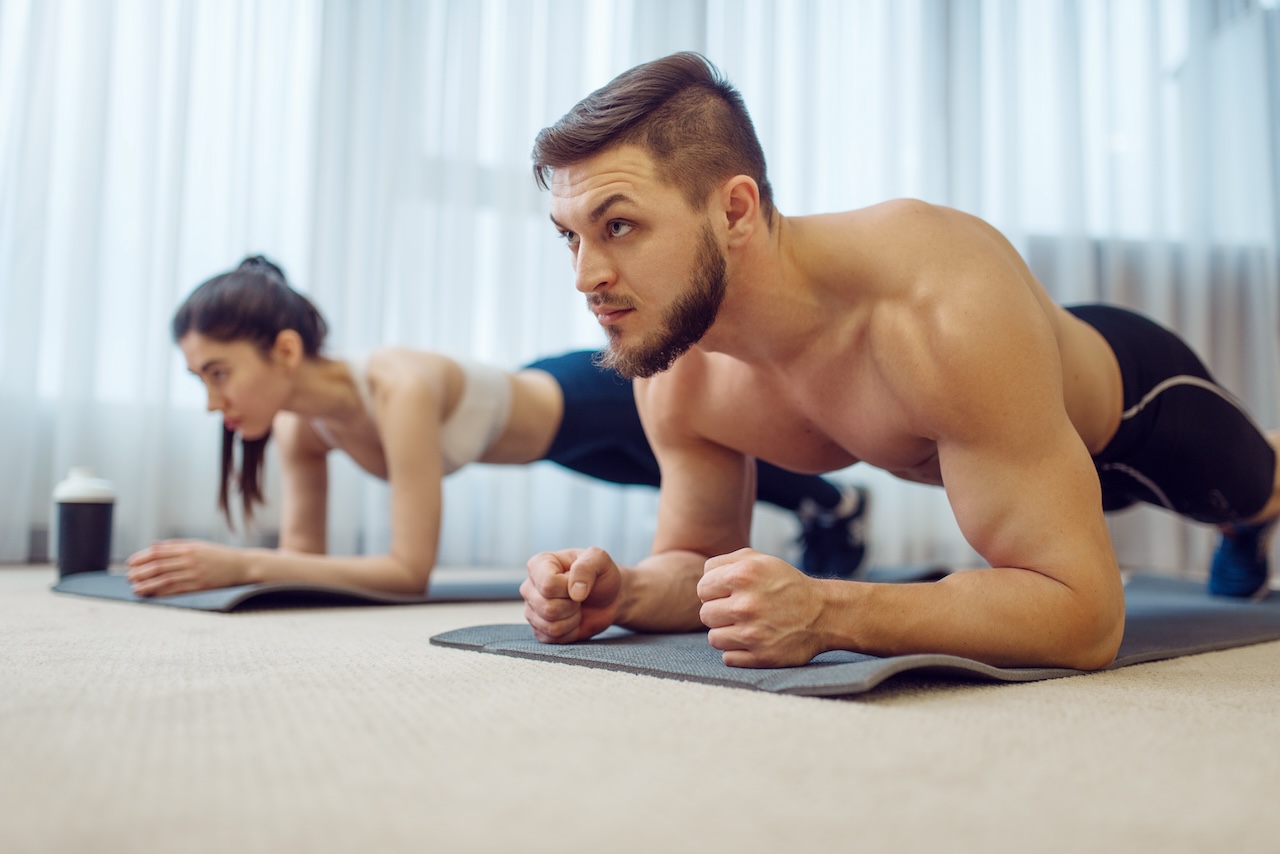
(660, 594)
(1004, 617)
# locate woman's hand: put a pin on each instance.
(184, 566)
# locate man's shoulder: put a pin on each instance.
(886, 213)
(698, 368)
(708, 399)
(879, 240)
(688, 389)
(686, 375)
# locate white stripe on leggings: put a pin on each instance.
(1141, 478)
(1181, 379)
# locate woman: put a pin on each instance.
(410, 417)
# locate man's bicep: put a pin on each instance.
(705, 501)
(1035, 515)
(986, 387)
(707, 490)
(1028, 497)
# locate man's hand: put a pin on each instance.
(760, 610)
(571, 595)
(184, 566)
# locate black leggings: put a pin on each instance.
(1184, 442)
(600, 436)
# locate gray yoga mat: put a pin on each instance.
(1165, 618)
(460, 586)
(447, 585)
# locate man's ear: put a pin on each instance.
(741, 199)
(288, 349)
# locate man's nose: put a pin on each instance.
(593, 268)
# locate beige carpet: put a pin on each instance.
(127, 728)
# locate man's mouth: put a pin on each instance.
(609, 312)
(607, 316)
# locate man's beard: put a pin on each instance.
(685, 323)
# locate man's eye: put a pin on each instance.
(617, 228)
(570, 238)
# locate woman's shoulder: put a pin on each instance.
(408, 362)
(403, 367)
(401, 373)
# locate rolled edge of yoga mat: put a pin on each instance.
(444, 587)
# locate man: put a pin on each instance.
(908, 336)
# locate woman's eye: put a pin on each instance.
(618, 228)
(570, 238)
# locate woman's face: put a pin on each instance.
(247, 387)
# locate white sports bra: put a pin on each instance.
(473, 426)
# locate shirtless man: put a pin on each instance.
(908, 336)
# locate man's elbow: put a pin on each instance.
(1095, 638)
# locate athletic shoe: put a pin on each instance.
(834, 539)
(1240, 567)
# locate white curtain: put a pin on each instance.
(378, 150)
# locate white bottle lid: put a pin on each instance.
(82, 487)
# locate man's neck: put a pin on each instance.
(770, 311)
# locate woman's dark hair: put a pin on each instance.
(681, 110)
(251, 303)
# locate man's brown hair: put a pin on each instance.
(681, 110)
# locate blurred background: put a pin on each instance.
(378, 150)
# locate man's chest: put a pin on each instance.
(819, 424)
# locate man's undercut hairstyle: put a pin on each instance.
(681, 110)
(251, 303)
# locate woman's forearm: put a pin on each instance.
(383, 573)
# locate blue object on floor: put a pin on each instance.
(1240, 566)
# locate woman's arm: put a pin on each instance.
(411, 392)
(304, 472)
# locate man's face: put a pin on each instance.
(651, 267)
